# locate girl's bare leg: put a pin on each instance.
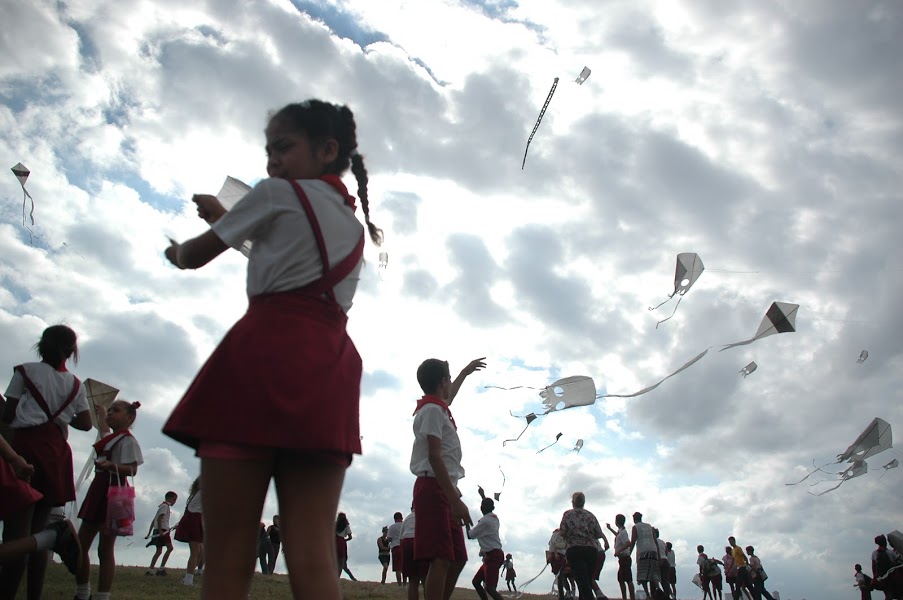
(106, 554)
(86, 534)
(14, 529)
(308, 490)
(234, 492)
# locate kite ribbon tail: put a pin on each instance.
(829, 489)
(673, 312)
(25, 197)
(663, 303)
(514, 440)
(547, 447)
(524, 585)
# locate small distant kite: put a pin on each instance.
(891, 465)
(496, 495)
(232, 191)
(860, 467)
(530, 418)
(689, 268)
(21, 172)
(383, 260)
(557, 437)
(863, 356)
(578, 446)
(584, 75)
(749, 369)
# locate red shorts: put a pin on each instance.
(488, 572)
(285, 376)
(226, 451)
(436, 534)
(17, 495)
(597, 569)
(558, 562)
(397, 560)
(190, 528)
(412, 569)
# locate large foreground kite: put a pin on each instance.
(100, 395)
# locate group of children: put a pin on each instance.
(42, 400)
(887, 569)
(743, 572)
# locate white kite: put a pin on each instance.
(100, 395)
(578, 390)
(584, 75)
(232, 191)
(779, 318)
(21, 172)
(863, 356)
(689, 268)
(891, 465)
(874, 439)
(578, 446)
(749, 369)
(860, 467)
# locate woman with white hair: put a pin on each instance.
(580, 529)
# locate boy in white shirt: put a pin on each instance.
(159, 534)
(486, 532)
(436, 461)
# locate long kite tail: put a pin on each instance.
(515, 439)
(673, 312)
(523, 586)
(538, 121)
(813, 472)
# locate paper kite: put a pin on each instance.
(689, 268)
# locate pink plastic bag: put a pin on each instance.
(121, 510)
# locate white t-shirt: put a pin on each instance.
(124, 452)
(407, 527)
(622, 541)
(284, 254)
(662, 553)
(164, 511)
(645, 539)
(195, 504)
(395, 534)
(671, 560)
(55, 386)
(433, 420)
(345, 532)
(557, 543)
(486, 532)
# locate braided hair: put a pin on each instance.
(322, 121)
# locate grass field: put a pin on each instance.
(132, 584)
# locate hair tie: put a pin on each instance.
(354, 153)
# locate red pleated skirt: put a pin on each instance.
(44, 447)
(286, 376)
(190, 528)
(15, 494)
(94, 506)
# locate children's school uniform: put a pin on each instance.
(409, 566)
(437, 535)
(191, 525)
(341, 544)
(287, 375)
(510, 573)
(48, 401)
(161, 525)
(394, 534)
(120, 448)
(486, 532)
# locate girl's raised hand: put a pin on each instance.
(209, 207)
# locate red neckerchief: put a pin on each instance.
(429, 399)
(336, 182)
(99, 444)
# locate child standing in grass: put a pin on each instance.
(159, 533)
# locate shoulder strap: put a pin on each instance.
(39, 398)
(331, 277)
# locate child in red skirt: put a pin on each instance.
(16, 496)
(279, 396)
(42, 400)
(118, 457)
(190, 530)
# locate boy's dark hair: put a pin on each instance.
(398, 516)
(430, 374)
(700, 548)
(57, 344)
(620, 520)
(171, 495)
(881, 540)
(322, 121)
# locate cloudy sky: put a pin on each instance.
(765, 136)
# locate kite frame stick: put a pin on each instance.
(539, 120)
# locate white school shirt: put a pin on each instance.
(662, 553)
(407, 527)
(345, 532)
(557, 543)
(671, 559)
(433, 420)
(645, 540)
(195, 504)
(486, 532)
(395, 535)
(55, 386)
(125, 450)
(284, 255)
(164, 510)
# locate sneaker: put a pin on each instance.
(67, 544)
(160, 573)
(148, 572)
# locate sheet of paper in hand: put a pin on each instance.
(232, 191)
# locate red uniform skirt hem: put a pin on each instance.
(17, 494)
(190, 528)
(285, 376)
(44, 447)
(94, 506)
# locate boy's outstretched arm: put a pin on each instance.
(476, 364)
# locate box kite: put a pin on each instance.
(232, 191)
(863, 356)
(748, 369)
(891, 465)
(860, 467)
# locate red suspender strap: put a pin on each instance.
(333, 276)
(39, 398)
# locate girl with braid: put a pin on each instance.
(279, 396)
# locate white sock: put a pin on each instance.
(45, 539)
(188, 579)
(102, 596)
(83, 591)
